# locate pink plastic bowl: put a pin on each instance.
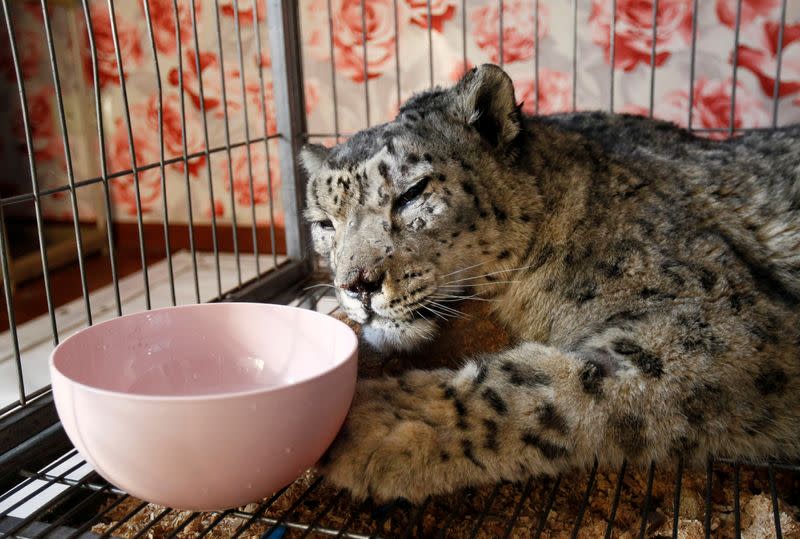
(205, 407)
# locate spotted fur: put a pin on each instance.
(651, 277)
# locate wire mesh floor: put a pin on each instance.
(725, 500)
(67, 499)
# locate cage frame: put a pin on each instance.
(32, 441)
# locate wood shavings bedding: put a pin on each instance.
(462, 512)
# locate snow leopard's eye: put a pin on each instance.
(325, 224)
(412, 193)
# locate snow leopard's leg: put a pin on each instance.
(642, 394)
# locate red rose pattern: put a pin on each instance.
(348, 38)
(265, 60)
(459, 70)
(763, 61)
(245, 8)
(35, 10)
(555, 92)
(162, 14)
(30, 52)
(45, 135)
(212, 86)
(634, 30)
(255, 104)
(173, 136)
(241, 175)
(219, 210)
(757, 55)
(751, 10)
(129, 35)
(146, 149)
(712, 108)
(441, 12)
(518, 29)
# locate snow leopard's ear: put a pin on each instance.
(312, 156)
(484, 99)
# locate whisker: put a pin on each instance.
(411, 313)
(467, 268)
(434, 312)
(448, 298)
(445, 313)
(492, 273)
(477, 284)
(446, 309)
(319, 285)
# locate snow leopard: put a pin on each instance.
(650, 279)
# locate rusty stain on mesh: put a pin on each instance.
(91, 492)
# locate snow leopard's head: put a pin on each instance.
(408, 212)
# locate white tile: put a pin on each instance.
(38, 492)
(35, 336)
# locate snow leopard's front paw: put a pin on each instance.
(392, 444)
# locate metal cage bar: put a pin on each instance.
(734, 77)
(463, 42)
(267, 163)
(429, 17)
(291, 132)
(773, 492)
(526, 492)
(396, 60)
(612, 53)
(204, 118)
(615, 503)
(162, 171)
(585, 501)
(68, 160)
(364, 60)
(245, 114)
(709, 492)
(227, 132)
(654, 38)
(737, 514)
(132, 149)
(647, 499)
(500, 44)
(676, 500)
(184, 150)
(12, 322)
(779, 61)
(12, 40)
(333, 68)
(150, 166)
(536, 56)
(692, 61)
(574, 54)
(290, 118)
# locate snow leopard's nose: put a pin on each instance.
(363, 285)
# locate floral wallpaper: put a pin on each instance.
(410, 45)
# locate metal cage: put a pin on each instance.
(47, 490)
